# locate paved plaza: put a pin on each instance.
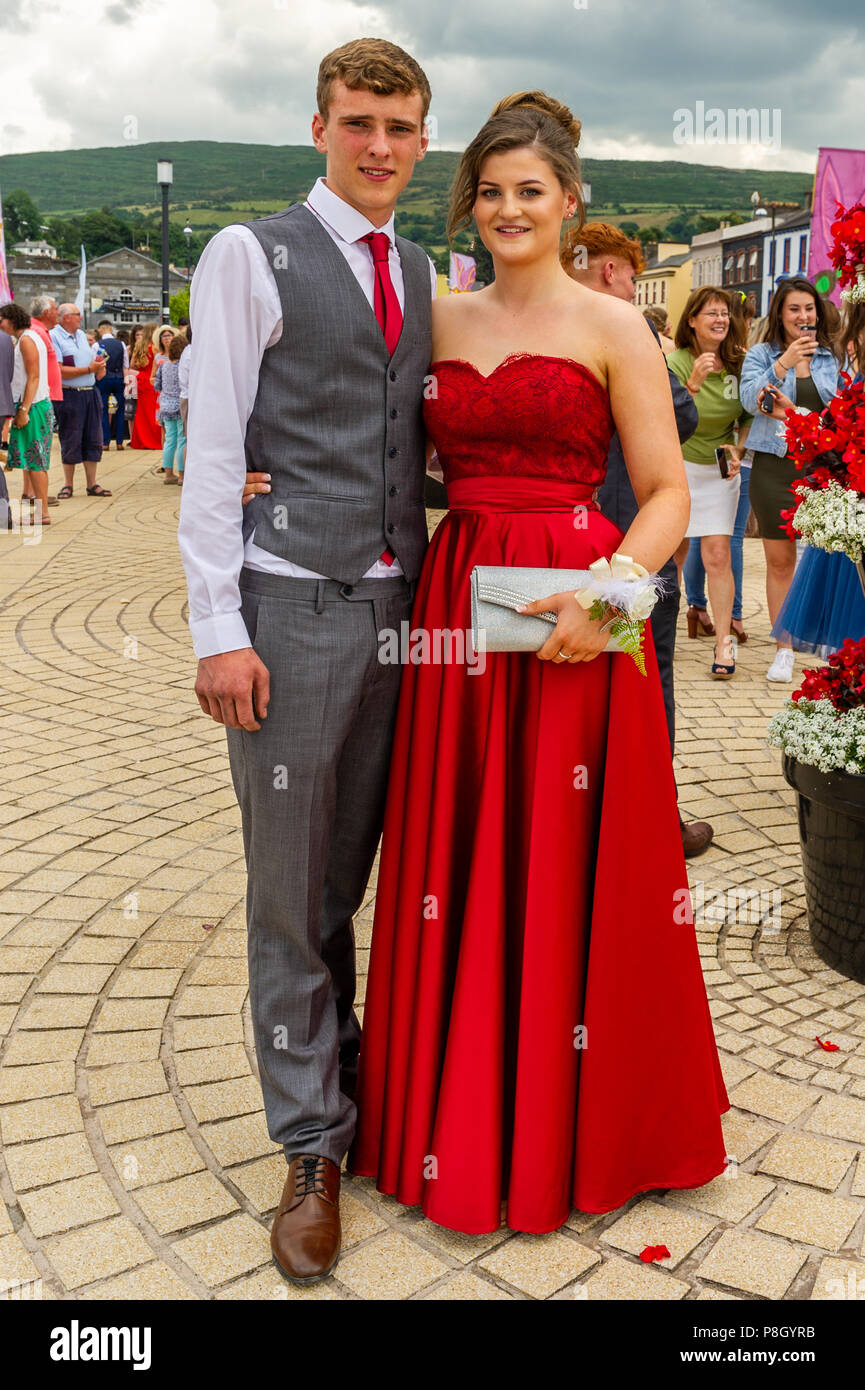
(135, 1158)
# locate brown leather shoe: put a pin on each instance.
(305, 1237)
(695, 837)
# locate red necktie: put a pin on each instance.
(386, 305)
(387, 311)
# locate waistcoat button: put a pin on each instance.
(393, 376)
(391, 528)
(392, 453)
(392, 492)
(393, 414)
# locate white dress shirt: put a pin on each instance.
(109, 334)
(183, 371)
(236, 312)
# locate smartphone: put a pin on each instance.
(767, 403)
(722, 461)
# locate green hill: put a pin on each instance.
(217, 172)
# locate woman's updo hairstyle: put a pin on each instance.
(518, 121)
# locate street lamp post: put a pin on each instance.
(187, 232)
(165, 178)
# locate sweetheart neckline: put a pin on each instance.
(518, 357)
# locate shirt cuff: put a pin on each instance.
(223, 632)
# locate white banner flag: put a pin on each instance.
(82, 281)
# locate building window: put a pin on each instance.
(728, 271)
(740, 267)
(788, 241)
(753, 257)
(663, 291)
(803, 252)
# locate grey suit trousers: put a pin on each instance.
(311, 786)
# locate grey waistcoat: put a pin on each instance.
(337, 423)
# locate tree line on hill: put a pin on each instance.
(104, 229)
(99, 231)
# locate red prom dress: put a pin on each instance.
(146, 432)
(536, 1029)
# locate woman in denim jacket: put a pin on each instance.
(796, 361)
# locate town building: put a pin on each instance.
(786, 253)
(742, 258)
(666, 280)
(123, 285)
(707, 258)
(753, 257)
(31, 247)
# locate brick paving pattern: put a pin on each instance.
(135, 1157)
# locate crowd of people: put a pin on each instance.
(90, 386)
(743, 374)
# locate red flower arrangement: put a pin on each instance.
(842, 681)
(848, 251)
(835, 437)
(834, 440)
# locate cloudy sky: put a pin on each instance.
(89, 72)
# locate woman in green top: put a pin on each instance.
(708, 360)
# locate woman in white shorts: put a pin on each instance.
(708, 360)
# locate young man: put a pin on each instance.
(603, 258)
(112, 383)
(320, 385)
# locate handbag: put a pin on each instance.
(498, 590)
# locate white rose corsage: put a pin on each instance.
(627, 587)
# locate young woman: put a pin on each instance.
(146, 433)
(167, 383)
(29, 445)
(659, 317)
(708, 360)
(526, 922)
(795, 358)
(161, 343)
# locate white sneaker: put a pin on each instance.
(782, 667)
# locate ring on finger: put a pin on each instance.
(566, 656)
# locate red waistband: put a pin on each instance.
(503, 494)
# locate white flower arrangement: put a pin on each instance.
(815, 732)
(832, 518)
(625, 586)
(856, 294)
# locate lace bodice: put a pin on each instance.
(533, 416)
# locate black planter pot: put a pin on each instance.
(832, 834)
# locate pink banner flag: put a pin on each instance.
(462, 273)
(840, 179)
(5, 287)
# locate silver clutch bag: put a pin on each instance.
(498, 590)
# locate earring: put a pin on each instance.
(472, 244)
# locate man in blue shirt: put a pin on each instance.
(80, 417)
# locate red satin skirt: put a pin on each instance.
(146, 430)
(536, 1029)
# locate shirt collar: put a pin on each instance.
(349, 224)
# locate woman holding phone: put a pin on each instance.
(708, 360)
(793, 365)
